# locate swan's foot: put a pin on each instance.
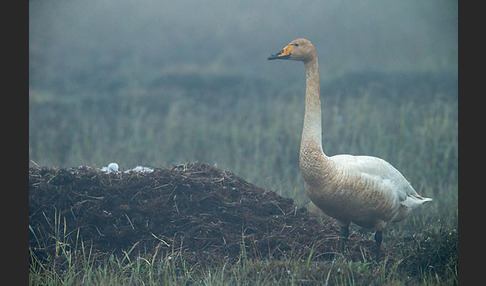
(343, 238)
(378, 239)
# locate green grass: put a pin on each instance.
(252, 128)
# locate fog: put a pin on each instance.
(129, 40)
(158, 83)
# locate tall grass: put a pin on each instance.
(253, 128)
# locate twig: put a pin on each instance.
(129, 221)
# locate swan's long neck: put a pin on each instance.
(313, 161)
(312, 129)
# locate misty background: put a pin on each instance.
(68, 40)
(158, 83)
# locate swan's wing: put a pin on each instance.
(377, 172)
(379, 185)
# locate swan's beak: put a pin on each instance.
(283, 54)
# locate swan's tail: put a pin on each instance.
(414, 201)
(408, 205)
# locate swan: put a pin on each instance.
(365, 190)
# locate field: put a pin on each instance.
(248, 127)
(184, 87)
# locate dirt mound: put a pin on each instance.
(195, 208)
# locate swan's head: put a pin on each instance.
(297, 50)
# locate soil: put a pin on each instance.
(196, 209)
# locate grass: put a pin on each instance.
(427, 258)
(253, 129)
(250, 129)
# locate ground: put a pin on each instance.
(204, 210)
(207, 216)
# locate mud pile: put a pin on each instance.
(200, 210)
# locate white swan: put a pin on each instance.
(365, 190)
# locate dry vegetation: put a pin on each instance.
(197, 209)
(192, 221)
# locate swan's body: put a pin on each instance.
(365, 190)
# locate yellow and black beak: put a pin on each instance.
(283, 54)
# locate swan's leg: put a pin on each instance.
(344, 237)
(378, 239)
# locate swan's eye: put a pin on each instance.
(296, 45)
